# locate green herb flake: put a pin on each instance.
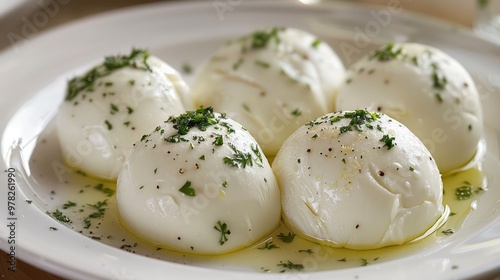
(357, 119)
(187, 69)
(187, 189)
(107, 191)
(291, 266)
(412, 169)
(154, 171)
(386, 54)
(224, 231)
(296, 113)
(202, 118)
(447, 231)
(309, 251)
(342, 260)
(108, 125)
(108, 84)
(316, 43)
(130, 110)
(224, 184)
(268, 246)
(29, 201)
(58, 215)
(69, 204)
(114, 108)
(261, 38)
(219, 141)
(364, 262)
(237, 64)
(439, 98)
(262, 64)
(388, 141)
(86, 83)
(286, 238)
(202, 157)
(131, 82)
(239, 159)
(438, 80)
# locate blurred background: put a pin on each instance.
(15, 13)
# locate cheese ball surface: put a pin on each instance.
(358, 180)
(111, 106)
(199, 184)
(271, 81)
(426, 90)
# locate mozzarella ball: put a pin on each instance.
(426, 90)
(271, 81)
(108, 108)
(199, 184)
(358, 180)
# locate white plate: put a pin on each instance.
(34, 71)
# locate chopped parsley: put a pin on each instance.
(439, 81)
(224, 231)
(286, 238)
(107, 191)
(447, 231)
(239, 159)
(218, 141)
(237, 64)
(99, 206)
(309, 251)
(439, 97)
(108, 124)
(69, 204)
(387, 141)
(262, 64)
(291, 266)
(202, 118)
(58, 215)
(187, 189)
(357, 119)
(316, 43)
(202, 157)
(296, 113)
(224, 184)
(256, 151)
(110, 64)
(364, 262)
(268, 246)
(187, 69)
(260, 38)
(387, 53)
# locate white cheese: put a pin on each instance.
(180, 194)
(426, 90)
(98, 124)
(271, 81)
(359, 186)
